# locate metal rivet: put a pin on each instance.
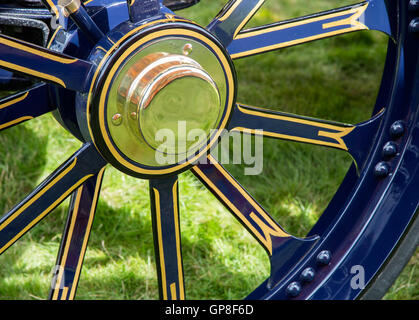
(414, 26)
(187, 49)
(414, 5)
(390, 149)
(308, 274)
(293, 289)
(117, 119)
(324, 257)
(382, 169)
(133, 115)
(397, 129)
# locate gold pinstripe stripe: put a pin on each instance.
(248, 17)
(173, 291)
(42, 54)
(228, 13)
(340, 144)
(87, 234)
(178, 248)
(16, 121)
(39, 194)
(64, 295)
(357, 12)
(53, 7)
(67, 245)
(43, 214)
(341, 130)
(53, 36)
(32, 72)
(16, 100)
(352, 20)
(160, 242)
(273, 229)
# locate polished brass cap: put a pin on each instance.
(164, 107)
(171, 92)
(70, 6)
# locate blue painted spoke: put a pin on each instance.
(76, 235)
(164, 195)
(233, 18)
(369, 15)
(24, 106)
(35, 61)
(355, 139)
(84, 164)
(86, 24)
(240, 203)
(282, 248)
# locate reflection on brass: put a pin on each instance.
(70, 6)
(159, 91)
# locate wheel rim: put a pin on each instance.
(360, 225)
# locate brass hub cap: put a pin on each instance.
(164, 102)
(153, 92)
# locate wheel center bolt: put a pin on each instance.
(187, 49)
(117, 119)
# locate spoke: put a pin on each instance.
(84, 164)
(283, 249)
(240, 203)
(35, 61)
(76, 235)
(369, 15)
(234, 16)
(24, 106)
(164, 195)
(354, 139)
(77, 12)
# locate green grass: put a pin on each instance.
(334, 79)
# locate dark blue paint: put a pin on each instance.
(86, 24)
(36, 96)
(73, 75)
(81, 214)
(84, 162)
(146, 9)
(293, 127)
(167, 207)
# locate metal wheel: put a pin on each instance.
(107, 74)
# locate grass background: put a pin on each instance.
(334, 79)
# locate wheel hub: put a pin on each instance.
(161, 92)
(165, 97)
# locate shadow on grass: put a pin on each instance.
(22, 159)
(119, 263)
